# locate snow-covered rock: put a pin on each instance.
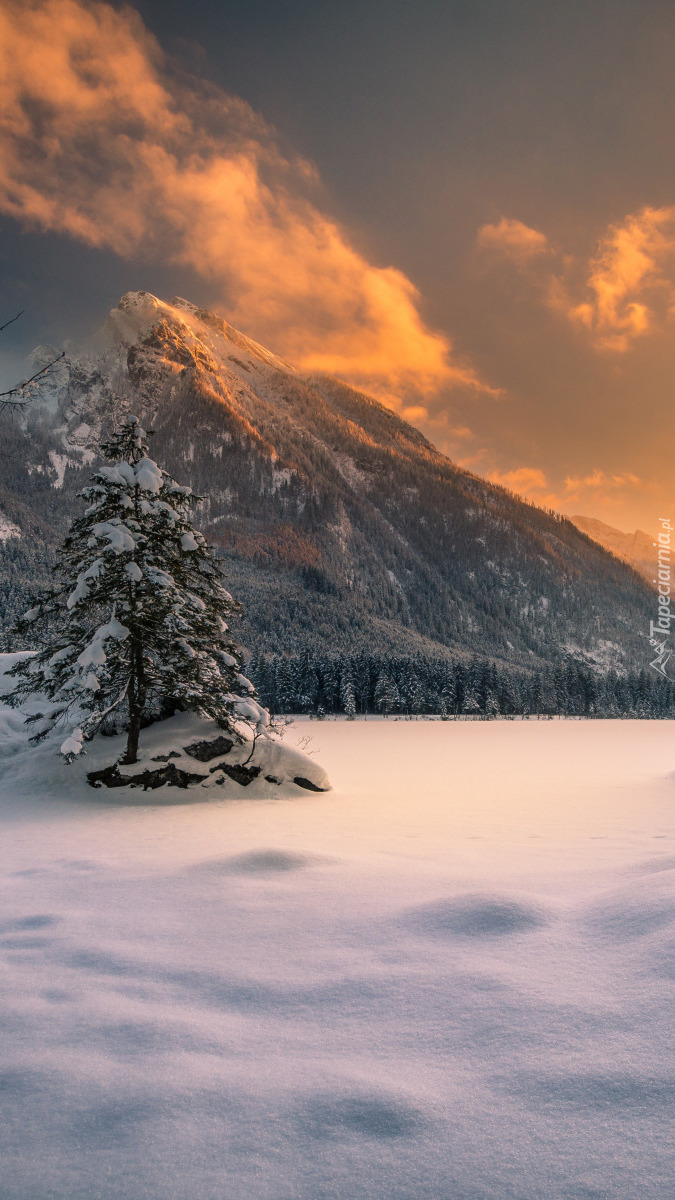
(184, 751)
(188, 751)
(8, 529)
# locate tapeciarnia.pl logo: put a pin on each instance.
(659, 630)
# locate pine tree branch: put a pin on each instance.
(97, 719)
(167, 643)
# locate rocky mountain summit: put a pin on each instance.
(638, 548)
(341, 527)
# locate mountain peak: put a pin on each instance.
(137, 313)
(341, 526)
(636, 548)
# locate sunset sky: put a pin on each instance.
(467, 208)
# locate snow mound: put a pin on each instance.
(263, 862)
(474, 917)
(186, 751)
(373, 1117)
(635, 912)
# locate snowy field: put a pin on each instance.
(450, 978)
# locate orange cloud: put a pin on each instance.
(99, 141)
(526, 481)
(597, 488)
(625, 278)
(629, 291)
(415, 412)
(513, 239)
(599, 481)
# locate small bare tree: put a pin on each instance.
(19, 396)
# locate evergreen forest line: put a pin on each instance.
(369, 684)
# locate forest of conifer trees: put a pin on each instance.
(407, 686)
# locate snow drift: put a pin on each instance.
(452, 978)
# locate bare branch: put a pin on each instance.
(254, 743)
(5, 401)
(12, 320)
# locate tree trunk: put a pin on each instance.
(137, 696)
(131, 755)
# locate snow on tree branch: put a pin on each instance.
(139, 613)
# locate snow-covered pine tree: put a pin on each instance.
(386, 694)
(448, 692)
(347, 698)
(135, 626)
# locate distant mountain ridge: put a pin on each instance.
(341, 526)
(637, 548)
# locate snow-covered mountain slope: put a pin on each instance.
(636, 548)
(342, 527)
